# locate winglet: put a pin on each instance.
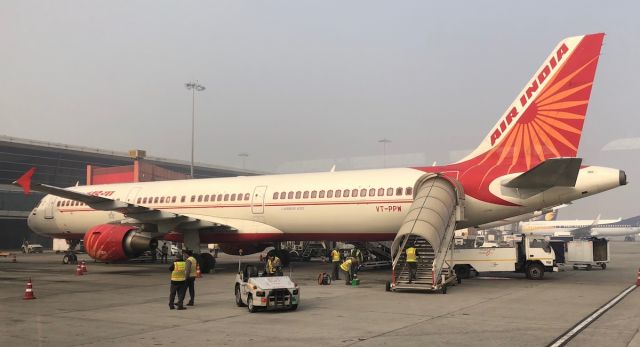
(25, 180)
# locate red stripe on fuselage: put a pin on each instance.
(368, 202)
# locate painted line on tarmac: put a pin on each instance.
(576, 329)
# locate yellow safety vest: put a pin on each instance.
(179, 271)
(346, 265)
(411, 255)
(270, 267)
(335, 256)
(194, 266)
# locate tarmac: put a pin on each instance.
(127, 304)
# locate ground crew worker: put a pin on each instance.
(357, 260)
(191, 280)
(412, 261)
(274, 265)
(346, 267)
(179, 272)
(165, 252)
(335, 264)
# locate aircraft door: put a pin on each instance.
(48, 209)
(133, 193)
(257, 202)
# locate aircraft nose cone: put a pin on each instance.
(31, 221)
(623, 178)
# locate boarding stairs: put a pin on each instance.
(430, 227)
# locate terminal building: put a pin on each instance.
(66, 165)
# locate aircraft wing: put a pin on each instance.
(555, 172)
(585, 231)
(134, 213)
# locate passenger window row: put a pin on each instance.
(343, 193)
(193, 198)
(65, 203)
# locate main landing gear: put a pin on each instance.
(70, 256)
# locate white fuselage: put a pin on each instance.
(609, 227)
(298, 212)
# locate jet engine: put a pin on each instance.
(233, 248)
(110, 242)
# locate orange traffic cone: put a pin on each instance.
(83, 267)
(28, 293)
(198, 273)
(78, 270)
(638, 280)
(14, 258)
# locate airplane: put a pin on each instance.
(584, 228)
(527, 162)
(547, 214)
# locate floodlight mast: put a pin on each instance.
(193, 87)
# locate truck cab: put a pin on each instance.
(535, 257)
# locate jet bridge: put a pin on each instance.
(429, 226)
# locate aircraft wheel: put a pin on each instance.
(589, 267)
(65, 259)
(603, 266)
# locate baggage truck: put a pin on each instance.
(588, 253)
(531, 256)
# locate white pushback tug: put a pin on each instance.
(259, 292)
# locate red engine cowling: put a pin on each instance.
(234, 248)
(109, 242)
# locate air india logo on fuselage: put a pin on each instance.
(530, 93)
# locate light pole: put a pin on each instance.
(244, 157)
(193, 87)
(384, 149)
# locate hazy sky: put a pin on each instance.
(302, 84)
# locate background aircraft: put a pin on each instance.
(583, 228)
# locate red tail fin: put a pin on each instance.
(545, 121)
(25, 180)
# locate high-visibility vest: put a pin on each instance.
(411, 255)
(346, 265)
(335, 256)
(179, 271)
(194, 266)
(270, 264)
